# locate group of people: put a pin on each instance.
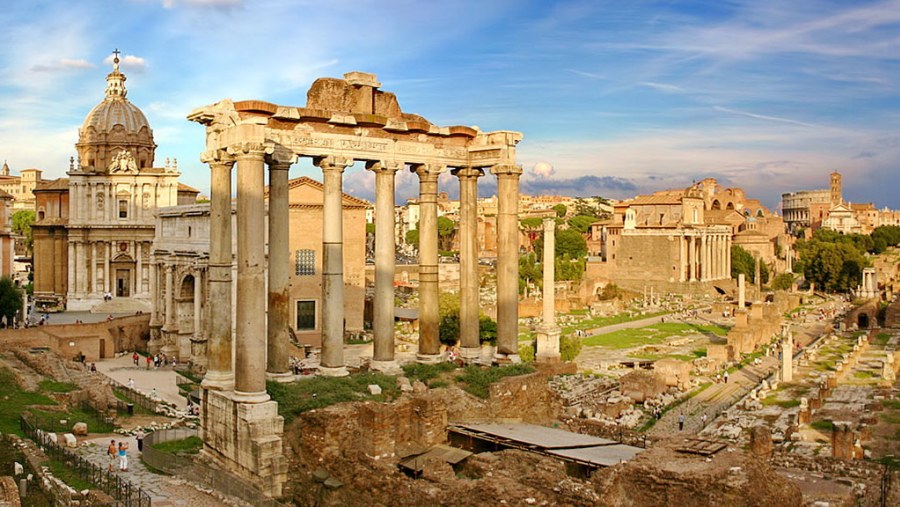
(118, 453)
(157, 360)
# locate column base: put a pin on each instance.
(283, 378)
(218, 381)
(388, 367)
(333, 371)
(430, 358)
(250, 398)
(547, 340)
(470, 355)
(500, 358)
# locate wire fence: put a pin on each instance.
(134, 396)
(196, 471)
(124, 492)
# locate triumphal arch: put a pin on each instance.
(345, 121)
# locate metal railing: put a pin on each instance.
(124, 492)
(135, 397)
(196, 471)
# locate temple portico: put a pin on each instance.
(345, 121)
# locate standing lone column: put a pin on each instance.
(469, 311)
(219, 375)
(385, 259)
(332, 363)
(787, 358)
(250, 327)
(548, 333)
(429, 345)
(507, 261)
(278, 363)
(742, 294)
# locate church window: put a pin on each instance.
(306, 315)
(306, 262)
(123, 208)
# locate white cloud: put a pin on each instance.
(663, 87)
(766, 117)
(131, 62)
(171, 4)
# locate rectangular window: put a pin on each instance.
(123, 208)
(306, 262)
(306, 315)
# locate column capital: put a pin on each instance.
(249, 150)
(428, 172)
(333, 163)
(217, 158)
(280, 159)
(506, 170)
(468, 172)
(384, 166)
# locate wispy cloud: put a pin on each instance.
(219, 4)
(766, 117)
(129, 62)
(663, 87)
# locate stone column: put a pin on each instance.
(429, 344)
(692, 258)
(469, 309)
(507, 261)
(728, 256)
(742, 292)
(548, 333)
(198, 301)
(71, 274)
(278, 360)
(682, 259)
(250, 326)
(385, 259)
(333, 267)
(704, 258)
(107, 283)
(787, 358)
(219, 375)
(170, 299)
(139, 268)
(757, 277)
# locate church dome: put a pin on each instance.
(113, 127)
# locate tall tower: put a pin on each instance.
(836, 197)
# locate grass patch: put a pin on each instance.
(193, 377)
(137, 408)
(476, 379)
(881, 339)
(657, 333)
(14, 401)
(189, 445)
(67, 475)
(823, 425)
(426, 372)
(436, 384)
(596, 322)
(863, 374)
(772, 400)
(650, 356)
(698, 353)
(52, 386)
(893, 404)
(319, 392)
(49, 420)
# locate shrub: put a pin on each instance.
(476, 379)
(527, 351)
(569, 347)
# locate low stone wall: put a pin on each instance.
(100, 339)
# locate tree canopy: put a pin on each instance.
(743, 261)
(834, 261)
(21, 224)
(446, 228)
(561, 210)
(581, 223)
(10, 299)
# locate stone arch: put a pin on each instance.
(862, 320)
(759, 213)
(186, 289)
(716, 205)
(730, 205)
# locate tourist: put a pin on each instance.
(148, 362)
(140, 440)
(726, 376)
(153, 394)
(703, 420)
(135, 358)
(680, 422)
(123, 456)
(111, 454)
(93, 367)
(131, 383)
(174, 362)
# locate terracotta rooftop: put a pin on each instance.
(57, 184)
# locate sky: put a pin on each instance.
(613, 98)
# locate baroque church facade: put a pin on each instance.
(94, 229)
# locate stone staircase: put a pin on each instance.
(892, 315)
(122, 305)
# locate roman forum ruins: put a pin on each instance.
(345, 121)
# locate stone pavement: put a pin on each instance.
(164, 490)
(145, 380)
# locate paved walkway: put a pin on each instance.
(145, 380)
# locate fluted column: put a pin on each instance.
(219, 374)
(692, 258)
(332, 362)
(107, 283)
(250, 326)
(682, 259)
(154, 296)
(383, 318)
(170, 308)
(728, 256)
(198, 301)
(429, 344)
(507, 261)
(469, 309)
(278, 360)
(71, 273)
(704, 258)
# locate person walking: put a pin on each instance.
(135, 357)
(148, 362)
(726, 376)
(703, 420)
(123, 456)
(680, 422)
(140, 440)
(111, 454)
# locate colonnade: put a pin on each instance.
(264, 342)
(704, 256)
(85, 258)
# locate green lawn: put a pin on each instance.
(657, 333)
(596, 322)
(475, 380)
(318, 392)
(189, 445)
(52, 386)
(14, 401)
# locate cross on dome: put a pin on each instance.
(115, 86)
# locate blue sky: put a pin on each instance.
(614, 98)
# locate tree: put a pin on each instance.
(446, 228)
(581, 223)
(529, 272)
(783, 281)
(561, 210)
(21, 224)
(10, 299)
(412, 238)
(744, 262)
(571, 243)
